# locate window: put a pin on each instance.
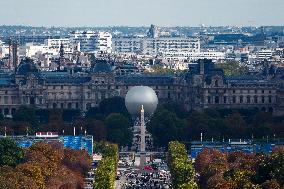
(225, 99)
(69, 105)
(216, 99)
(270, 99)
(248, 99)
(234, 91)
(209, 99)
(5, 99)
(234, 99)
(241, 99)
(255, 100)
(262, 99)
(216, 83)
(262, 91)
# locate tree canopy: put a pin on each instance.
(10, 153)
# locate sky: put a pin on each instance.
(141, 12)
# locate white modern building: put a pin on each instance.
(127, 44)
(92, 41)
(193, 56)
(55, 44)
(264, 54)
(154, 46)
(30, 50)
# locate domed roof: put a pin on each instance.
(138, 96)
(26, 66)
(101, 66)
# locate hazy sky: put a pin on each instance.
(141, 12)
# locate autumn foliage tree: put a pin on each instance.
(239, 170)
(47, 165)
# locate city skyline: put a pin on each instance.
(141, 13)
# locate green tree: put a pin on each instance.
(180, 166)
(165, 126)
(10, 153)
(113, 105)
(107, 167)
(118, 129)
(26, 114)
(271, 167)
(232, 68)
(70, 115)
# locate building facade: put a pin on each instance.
(155, 46)
(92, 41)
(204, 86)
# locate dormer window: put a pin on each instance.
(216, 83)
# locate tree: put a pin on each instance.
(165, 126)
(10, 178)
(70, 115)
(107, 167)
(34, 172)
(77, 161)
(271, 167)
(26, 114)
(96, 128)
(232, 68)
(113, 105)
(236, 122)
(181, 169)
(118, 129)
(10, 153)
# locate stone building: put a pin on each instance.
(204, 86)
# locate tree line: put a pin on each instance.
(240, 170)
(170, 122)
(109, 121)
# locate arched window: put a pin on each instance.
(69, 105)
(255, 100)
(13, 111)
(234, 99)
(6, 111)
(209, 99)
(54, 105)
(216, 83)
(248, 99)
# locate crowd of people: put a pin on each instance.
(145, 180)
